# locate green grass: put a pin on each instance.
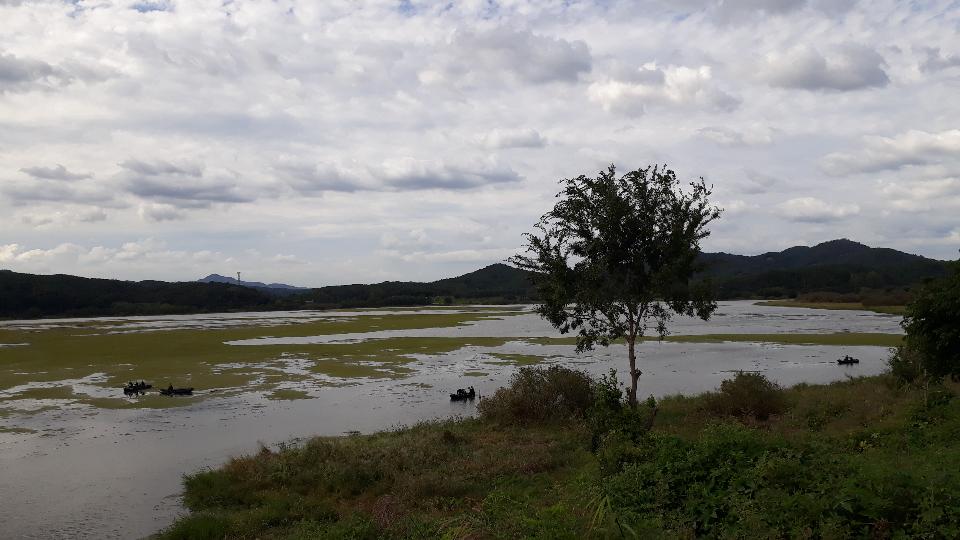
(858, 458)
(287, 394)
(856, 306)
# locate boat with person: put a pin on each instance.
(464, 395)
(171, 391)
(133, 388)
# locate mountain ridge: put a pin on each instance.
(837, 266)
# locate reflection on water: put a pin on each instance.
(87, 472)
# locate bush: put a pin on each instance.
(747, 394)
(737, 482)
(540, 395)
(933, 327)
(611, 416)
(906, 365)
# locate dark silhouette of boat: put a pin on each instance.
(848, 360)
(134, 388)
(171, 391)
(464, 395)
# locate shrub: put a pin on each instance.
(906, 365)
(611, 415)
(747, 394)
(933, 327)
(540, 395)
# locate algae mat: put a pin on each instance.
(87, 362)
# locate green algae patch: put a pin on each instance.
(839, 338)
(15, 430)
(148, 401)
(203, 359)
(475, 374)
(852, 306)
(516, 359)
(287, 394)
(846, 339)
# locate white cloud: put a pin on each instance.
(513, 138)
(726, 136)
(843, 68)
(338, 132)
(934, 60)
(813, 210)
(481, 57)
(157, 212)
(59, 172)
(654, 86)
(911, 148)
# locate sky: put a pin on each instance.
(319, 143)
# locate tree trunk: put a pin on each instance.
(634, 372)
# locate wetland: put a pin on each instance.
(86, 461)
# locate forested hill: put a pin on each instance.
(497, 283)
(25, 296)
(838, 266)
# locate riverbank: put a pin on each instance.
(856, 306)
(861, 457)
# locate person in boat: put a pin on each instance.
(170, 389)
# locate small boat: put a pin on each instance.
(847, 360)
(134, 388)
(171, 391)
(464, 395)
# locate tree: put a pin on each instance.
(932, 324)
(616, 257)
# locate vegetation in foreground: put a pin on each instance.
(556, 455)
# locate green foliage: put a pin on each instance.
(747, 394)
(834, 271)
(616, 256)
(538, 395)
(734, 481)
(932, 324)
(612, 420)
(906, 365)
(200, 526)
(881, 463)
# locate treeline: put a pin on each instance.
(839, 270)
(29, 296)
(830, 269)
(497, 284)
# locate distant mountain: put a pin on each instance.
(838, 266)
(280, 288)
(25, 296)
(497, 283)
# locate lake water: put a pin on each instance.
(85, 472)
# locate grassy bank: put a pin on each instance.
(856, 306)
(863, 458)
(848, 339)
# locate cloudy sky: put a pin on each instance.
(340, 141)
